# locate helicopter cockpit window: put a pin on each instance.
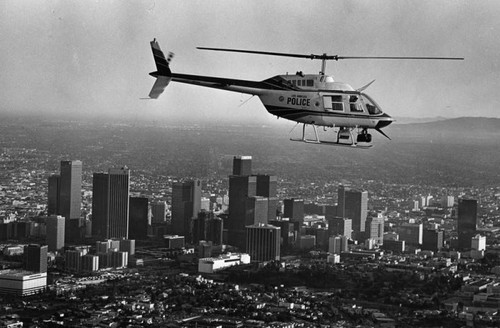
(371, 106)
(310, 83)
(354, 106)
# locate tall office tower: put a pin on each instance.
(257, 210)
(186, 202)
(55, 233)
(70, 197)
(353, 204)
(110, 203)
(242, 165)
(73, 259)
(53, 194)
(199, 230)
(159, 212)
(214, 228)
(241, 188)
(263, 242)
(375, 229)
(35, 257)
(90, 263)
(337, 244)
(411, 233)
(138, 218)
(467, 222)
(432, 240)
(448, 201)
(294, 209)
(267, 186)
(340, 226)
(127, 245)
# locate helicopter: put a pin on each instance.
(308, 99)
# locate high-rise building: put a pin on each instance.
(411, 233)
(241, 188)
(110, 203)
(70, 197)
(186, 203)
(432, 240)
(340, 226)
(138, 218)
(353, 204)
(287, 231)
(53, 194)
(159, 212)
(35, 257)
(337, 244)
(267, 186)
(55, 232)
(375, 229)
(242, 165)
(294, 209)
(263, 242)
(214, 230)
(467, 222)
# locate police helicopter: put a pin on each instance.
(308, 99)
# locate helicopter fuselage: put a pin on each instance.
(308, 99)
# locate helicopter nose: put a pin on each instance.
(384, 121)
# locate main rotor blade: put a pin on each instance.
(378, 57)
(323, 56)
(311, 56)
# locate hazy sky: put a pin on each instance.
(93, 57)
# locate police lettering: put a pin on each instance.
(298, 101)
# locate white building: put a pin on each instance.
(212, 264)
(478, 243)
(22, 283)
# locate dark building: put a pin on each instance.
(186, 204)
(353, 204)
(293, 209)
(287, 231)
(340, 226)
(110, 204)
(467, 222)
(267, 186)
(241, 188)
(158, 212)
(263, 242)
(70, 197)
(214, 228)
(35, 258)
(53, 194)
(242, 165)
(432, 240)
(138, 218)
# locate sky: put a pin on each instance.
(92, 58)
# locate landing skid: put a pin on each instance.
(351, 140)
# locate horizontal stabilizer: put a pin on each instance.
(160, 85)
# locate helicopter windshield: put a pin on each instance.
(371, 105)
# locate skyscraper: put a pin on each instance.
(70, 191)
(35, 258)
(53, 194)
(263, 242)
(267, 186)
(241, 188)
(467, 222)
(158, 212)
(55, 232)
(110, 203)
(242, 165)
(340, 226)
(375, 229)
(138, 217)
(353, 204)
(294, 209)
(186, 203)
